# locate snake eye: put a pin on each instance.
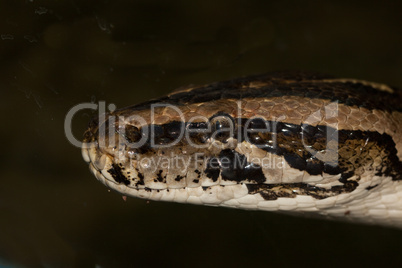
(222, 127)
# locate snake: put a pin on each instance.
(300, 143)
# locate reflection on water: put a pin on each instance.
(56, 54)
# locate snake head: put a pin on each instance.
(307, 144)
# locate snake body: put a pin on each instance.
(296, 142)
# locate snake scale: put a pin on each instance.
(294, 142)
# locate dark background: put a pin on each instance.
(56, 54)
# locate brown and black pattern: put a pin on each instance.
(356, 149)
(277, 84)
(359, 151)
